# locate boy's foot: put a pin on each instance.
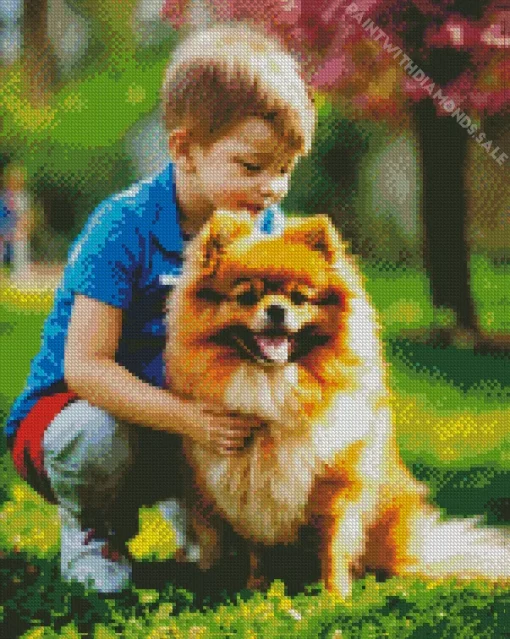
(174, 514)
(96, 561)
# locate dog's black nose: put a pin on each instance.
(275, 313)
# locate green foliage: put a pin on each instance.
(401, 295)
(398, 609)
(491, 293)
(29, 523)
(324, 180)
(73, 147)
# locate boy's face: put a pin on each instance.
(247, 169)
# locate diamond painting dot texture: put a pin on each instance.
(254, 318)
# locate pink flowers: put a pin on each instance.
(343, 54)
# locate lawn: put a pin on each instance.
(452, 412)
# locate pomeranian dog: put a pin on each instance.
(280, 326)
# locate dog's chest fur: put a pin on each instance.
(264, 490)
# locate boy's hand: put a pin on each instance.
(224, 432)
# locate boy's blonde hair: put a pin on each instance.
(223, 74)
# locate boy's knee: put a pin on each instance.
(87, 436)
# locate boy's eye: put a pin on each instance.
(247, 298)
(251, 167)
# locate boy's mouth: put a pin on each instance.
(254, 209)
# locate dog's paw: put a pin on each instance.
(188, 554)
(208, 556)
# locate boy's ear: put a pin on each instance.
(317, 233)
(222, 229)
(179, 145)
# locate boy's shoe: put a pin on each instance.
(174, 514)
(95, 560)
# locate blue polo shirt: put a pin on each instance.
(127, 255)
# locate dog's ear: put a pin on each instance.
(222, 229)
(318, 233)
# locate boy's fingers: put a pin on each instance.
(230, 442)
(238, 418)
(245, 423)
(237, 431)
(228, 452)
(218, 411)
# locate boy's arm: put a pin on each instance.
(91, 371)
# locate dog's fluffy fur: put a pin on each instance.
(280, 327)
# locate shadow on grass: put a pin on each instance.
(477, 489)
(464, 368)
(469, 492)
(32, 592)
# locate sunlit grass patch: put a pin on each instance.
(31, 300)
(397, 609)
(454, 439)
(28, 523)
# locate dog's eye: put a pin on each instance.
(210, 295)
(298, 298)
(329, 300)
(247, 298)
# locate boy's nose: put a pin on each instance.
(273, 188)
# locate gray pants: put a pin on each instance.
(102, 470)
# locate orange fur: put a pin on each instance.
(327, 456)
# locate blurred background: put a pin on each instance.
(80, 118)
(423, 204)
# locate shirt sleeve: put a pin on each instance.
(104, 259)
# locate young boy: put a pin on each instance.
(94, 431)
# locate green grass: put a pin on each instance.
(402, 295)
(400, 608)
(452, 409)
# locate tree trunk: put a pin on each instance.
(112, 40)
(39, 59)
(443, 146)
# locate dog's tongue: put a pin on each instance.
(276, 349)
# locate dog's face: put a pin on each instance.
(273, 320)
(268, 300)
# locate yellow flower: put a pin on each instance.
(136, 94)
(160, 633)
(276, 590)
(156, 537)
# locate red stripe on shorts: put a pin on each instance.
(29, 436)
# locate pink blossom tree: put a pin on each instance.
(444, 63)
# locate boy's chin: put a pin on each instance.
(241, 208)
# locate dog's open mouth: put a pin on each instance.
(269, 347)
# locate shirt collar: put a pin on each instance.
(166, 226)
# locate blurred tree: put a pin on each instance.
(112, 38)
(363, 54)
(39, 59)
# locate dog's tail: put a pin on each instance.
(457, 548)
